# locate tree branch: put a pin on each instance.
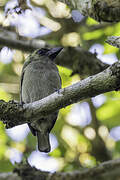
(105, 10)
(114, 41)
(108, 169)
(99, 150)
(13, 114)
(80, 61)
(77, 59)
(29, 45)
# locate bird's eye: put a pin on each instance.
(42, 51)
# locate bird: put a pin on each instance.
(40, 78)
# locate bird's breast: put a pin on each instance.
(39, 81)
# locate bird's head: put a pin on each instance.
(51, 53)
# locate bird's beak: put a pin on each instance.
(56, 49)
(54, 52)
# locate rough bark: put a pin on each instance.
(114, 41)
(13, 114)
(105, 10)
(107, 170)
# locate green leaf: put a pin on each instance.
(6, 166)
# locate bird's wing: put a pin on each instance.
(21, 81)
(21, 99)
(22, 76)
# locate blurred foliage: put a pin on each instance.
(81, 142)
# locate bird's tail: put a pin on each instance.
(43, 142)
